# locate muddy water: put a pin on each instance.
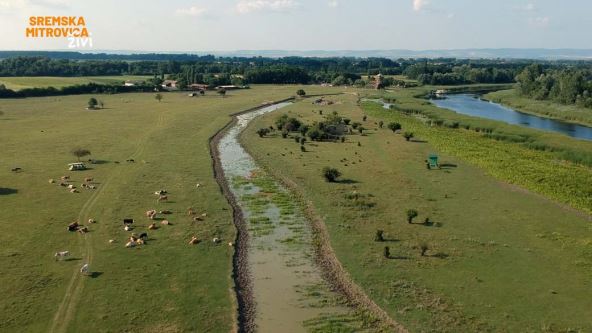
(289, 293)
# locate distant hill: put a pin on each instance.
(539, 54)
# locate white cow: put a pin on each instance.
(61, 255)
(85, 270)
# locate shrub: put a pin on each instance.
(301, 92)
(346, 121)
(285, 134)
(380, 124)
(331, 174)
(379, 237)
(92, 103)
(361, 129)
(80, 152)
(408, 135)
(394, 126)
(387, 252)
(302, 149)
(423, 247)
(263, 132)
(355, 125)
(411, 214)
(297, 139)
(343, 139)
(302, 140)
(364, 118)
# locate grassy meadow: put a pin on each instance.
(499, 258)
(569, 113)
(23, 82)
(163, 286)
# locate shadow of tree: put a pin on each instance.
(7, 191)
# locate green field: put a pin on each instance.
(570, 113)
(163, 286)
(501, 258)
(22, 82)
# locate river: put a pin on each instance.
(288, 290)
(473, 105)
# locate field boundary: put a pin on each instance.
(244, 321)
(331, 268)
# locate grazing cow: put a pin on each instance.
(216, 240)
(17, 169)
(84, 270)
(152, 226)
(130, 244)
(127, 228)
(165, 212)
(151, 214)
(71, 186)
(197, 218)
(61, 255)
(91, 187)
(91, 221)
(88, 179)
(162, 198)
(73, 226)
(128, 221)
(204, 215)
(73, 190)
(144, 235)
(193, 241)
(83, 185)
(198, 185)
(83, 230)
(111, 241)
(131, 160)
(64, 178)
(190, 211)
(165, 222)
(230, 244)
(161, 192)
(51, 181)
(63, 184)
(140, 241)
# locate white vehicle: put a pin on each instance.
(76, 166)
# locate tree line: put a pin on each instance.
(565, 85)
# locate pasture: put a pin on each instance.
(165, 285)
(498, 257)
(20, 82)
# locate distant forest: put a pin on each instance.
(567, 82)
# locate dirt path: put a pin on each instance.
(67, 307)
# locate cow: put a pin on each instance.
(131, 160)
(162, 198)
(216, 240)
(71, 187)
(91, 187)
(73, 190)
(127, 228)
(91, 221)
(166, 212)
(51, 181)
(85, 270)
(197, 185)
(144, 235)
(161, 192)
(197, 218)
(88, 179)
(130, 244)
(61, 255)
(193, 241)
(17, 169)
(83, 230)
(165, 222)
(64, 178)
(152, 226)
(73, 226)
(190, 211)
(63, 184)
(83, 185)
(151, 214)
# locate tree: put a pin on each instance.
(263, 132)
(346, 121)
(364, 118)
(80, 152)
(408, 135)
(394, 126)
(92, 103)
(411, 214)
(379, 236)
(101, 104)
(387, 252)
(222, 92)
(380, 124)
(301, 92)
(423, 247)
(158, 97)
(331, 174)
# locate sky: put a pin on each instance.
(227, 25)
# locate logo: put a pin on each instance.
(72, 28)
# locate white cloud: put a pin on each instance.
(539, 22)
(333, 3)
(247, 6)
(191, 11)
(419, 4)
(529, 7)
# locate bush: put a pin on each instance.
(343, 139)
(387, 252)
(408, 135)
(355, 125)
(301, 92)
(302, 149)
(263, 132)
(423, 247)
(411, 214)
(364, 118)
(380, 124)
(394, 126)
(346, 121)
(331, 174)
(379, 237)
(361, 129)
(302, 141)
(297, 139)
(285, 134)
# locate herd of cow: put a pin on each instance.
(133, 240)
(65, 182)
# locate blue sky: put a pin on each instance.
(212, 25)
